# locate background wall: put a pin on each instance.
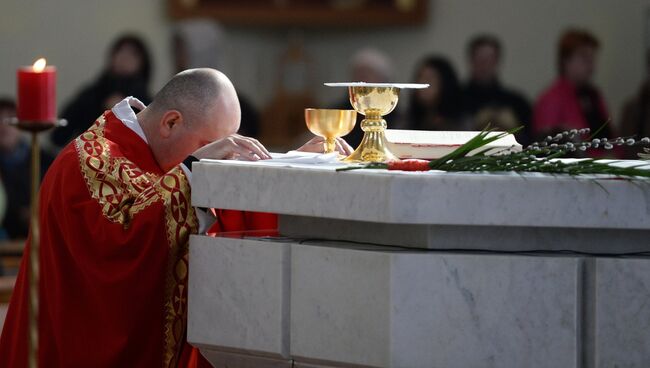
(74, 35)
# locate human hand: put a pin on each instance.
(233, 146)
(317, 145)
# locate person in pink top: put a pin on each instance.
(572, 101)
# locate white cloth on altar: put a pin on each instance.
(295, 159)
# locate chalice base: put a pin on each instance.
(373, 148)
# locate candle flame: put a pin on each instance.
(39, 65)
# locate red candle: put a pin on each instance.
(37, 92)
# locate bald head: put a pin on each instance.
(192, 92)
(196, 107)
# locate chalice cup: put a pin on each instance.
(330, 124)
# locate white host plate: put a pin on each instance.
(364, 84)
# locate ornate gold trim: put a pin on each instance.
(117, 184)
(181, 222)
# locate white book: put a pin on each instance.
(430, 145)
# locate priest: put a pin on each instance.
(115, 219)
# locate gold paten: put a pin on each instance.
(330, 124)
(373, 102)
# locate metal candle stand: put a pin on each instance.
(34, 127)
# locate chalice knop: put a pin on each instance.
(330, 124)
(373, 100)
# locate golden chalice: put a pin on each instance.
(330, 124)
(373, 100)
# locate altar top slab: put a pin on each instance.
(439, 198)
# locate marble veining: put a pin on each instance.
(511, 238)
(435, 310)
(236, 296)
(622, 313)
(488, 311)
(425, 198)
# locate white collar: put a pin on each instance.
(125, 113)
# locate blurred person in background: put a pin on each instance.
(635, 117)
(572, 101)
(3, 210)
(438, 107)
(485, 99)
(371, 66)
(198, 43)
(15, 164)
(127, 73)
(3, 233)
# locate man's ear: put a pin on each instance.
(171, 119)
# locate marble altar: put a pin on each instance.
(393, 269)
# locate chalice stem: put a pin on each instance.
(330, 145)
(33, 264)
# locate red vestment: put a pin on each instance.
(114, 240)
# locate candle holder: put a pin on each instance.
(33, 265)
(374, 100)
(35, 126)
